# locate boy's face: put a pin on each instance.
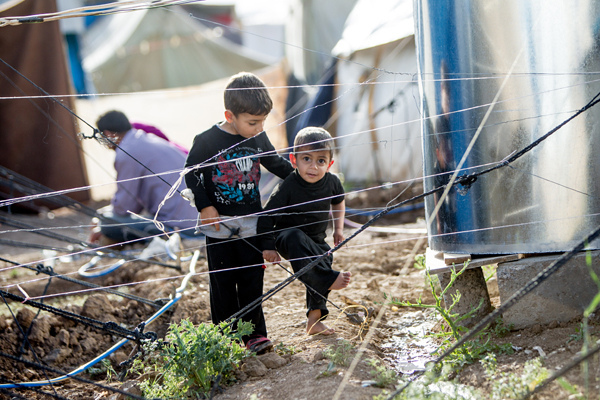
(311, 165)
(244, 124)
(114, 138)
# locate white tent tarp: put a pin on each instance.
(377, 115)
(369, 26)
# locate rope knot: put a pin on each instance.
(160, 302)
(467, 180)
(111, 325)
(139, 334)
(41, 268)
(96, 132)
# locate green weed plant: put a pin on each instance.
(382, 375)
(420, 262)
(437, 385)
(508, 386)
(104, 368)
(587, 336)
(284, 350)
(191, 360)
(574, 392)
(340, 353)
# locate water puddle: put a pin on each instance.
(408, 349)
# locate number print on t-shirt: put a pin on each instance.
(236, 176)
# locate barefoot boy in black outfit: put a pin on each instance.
(226, 186)
(299, 214)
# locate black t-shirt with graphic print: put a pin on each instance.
(230, 172)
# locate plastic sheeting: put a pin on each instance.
(158, 49)
(37, 136)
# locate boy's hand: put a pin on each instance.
(338, 237)
(210, 215)
(271, 256)
(95, 233)
(95, 236)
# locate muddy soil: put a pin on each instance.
(382, 264)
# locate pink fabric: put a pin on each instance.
(155, 131)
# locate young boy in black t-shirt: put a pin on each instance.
(225, 186)
(298, 216)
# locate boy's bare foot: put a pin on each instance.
(314, 326)
(342, 281)
(319, 328)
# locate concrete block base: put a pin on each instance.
(561, 297)
(473, 293)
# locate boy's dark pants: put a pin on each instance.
(294, 244)
(232, 290)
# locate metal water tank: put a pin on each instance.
(494, 76)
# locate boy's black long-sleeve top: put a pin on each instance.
(296, 203)
(229, 180)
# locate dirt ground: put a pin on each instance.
(381, 263)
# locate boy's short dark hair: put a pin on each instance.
(315, 139)
(247, 93)
(114, 121)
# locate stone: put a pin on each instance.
(24, 317)
(253, 367)
(74, 341)
(373, 284)
(63, 337)
(272, 360)
(29, 374)
(119, 356)
(318, 356)
(40, 330)
(240, 375)
(98, 307)
(89, 344)
(57, 356)
(131, 387)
